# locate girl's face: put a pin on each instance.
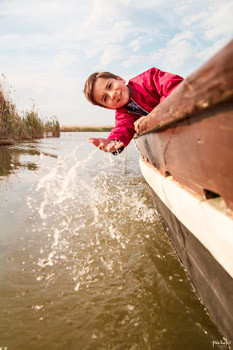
(111, 93)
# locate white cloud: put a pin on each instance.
(136, 44)
(205, 53)
(219, 21)
(28, 8)
(27, 41)
(101, 13)
(188, 21)
(41, 9)
(178, 56)
(63, 60)
(214, 21)
(116, 33)
(55, 94)
(112, 53)
(182, 55)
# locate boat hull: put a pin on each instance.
(186, 148)
(207, 258)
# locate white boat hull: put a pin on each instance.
(202, 233)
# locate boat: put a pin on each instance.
(186, 157)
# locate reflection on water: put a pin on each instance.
(20, 155)
(85, 262)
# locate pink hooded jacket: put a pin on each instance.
(149, 89)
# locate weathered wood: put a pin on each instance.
(207, 87)
(197, 152)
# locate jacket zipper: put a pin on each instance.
(139, 106)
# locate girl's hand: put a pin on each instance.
(105, 144)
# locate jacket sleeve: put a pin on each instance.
(163, 82)
(124, 127)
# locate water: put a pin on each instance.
(85, 263)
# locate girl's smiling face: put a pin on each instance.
(111, 93)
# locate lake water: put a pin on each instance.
(84, 261)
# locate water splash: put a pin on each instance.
(88, 211)
(93, 262)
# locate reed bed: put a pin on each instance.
(79, 128)
(14, 127)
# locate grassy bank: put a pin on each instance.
(75, 128)
(14, 127)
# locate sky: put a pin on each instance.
(49, 48)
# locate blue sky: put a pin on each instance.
(49, 48)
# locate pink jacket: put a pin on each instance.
(149, 89)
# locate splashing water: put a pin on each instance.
(96, 268)
(87, 219)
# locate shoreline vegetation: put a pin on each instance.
(85, 128)
(29, 126)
